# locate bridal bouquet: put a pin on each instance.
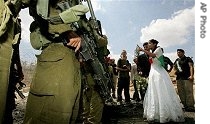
(141, 82)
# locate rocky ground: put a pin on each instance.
(115, 114)
(18, 113)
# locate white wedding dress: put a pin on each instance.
(161, 102)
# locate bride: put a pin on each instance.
(161, 102)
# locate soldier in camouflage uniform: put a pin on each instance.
(91, 102)
(54, 99)
(10, 67)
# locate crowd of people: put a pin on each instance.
(160, 100)
(79, 90)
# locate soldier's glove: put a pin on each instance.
(73, 14)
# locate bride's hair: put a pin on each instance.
(154, 42)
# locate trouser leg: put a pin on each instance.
(126, 90)
(5, 63)
(181, 91)
(136, 94)
(189, 94)
(96, 108)
(119, 90)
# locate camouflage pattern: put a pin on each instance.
(5, 62)
(55, 88)
(91, 102)
(8, 37)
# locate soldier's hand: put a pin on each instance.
(75, 42)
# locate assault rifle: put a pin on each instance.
(96, 60)
(17, 89)
(16, 72)
(90, 55)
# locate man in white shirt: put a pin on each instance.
(134, 72)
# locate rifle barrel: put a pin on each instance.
(91, 10)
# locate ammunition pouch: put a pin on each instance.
(73, 14)
(102, 52)
(102, 41)
(102, 47)
(37, 40)
(40, 40)
(69, 16)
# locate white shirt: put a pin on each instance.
(133, 71)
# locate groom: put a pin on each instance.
(143, 66)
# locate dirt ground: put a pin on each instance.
(117, 114)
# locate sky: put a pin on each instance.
(130, 22)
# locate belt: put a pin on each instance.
(63, 41)
(59, 38)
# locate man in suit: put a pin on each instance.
(143, 67)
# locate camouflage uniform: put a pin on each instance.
(91, 102)
(9, 36)
(55, 88)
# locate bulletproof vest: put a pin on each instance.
(46, 13)
(39, 10)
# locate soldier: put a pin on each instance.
(91, 102)
(10, 66)
(54, 99)
(93, 70)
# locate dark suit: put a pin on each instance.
(143, 65)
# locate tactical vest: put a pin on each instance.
(50, 22)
